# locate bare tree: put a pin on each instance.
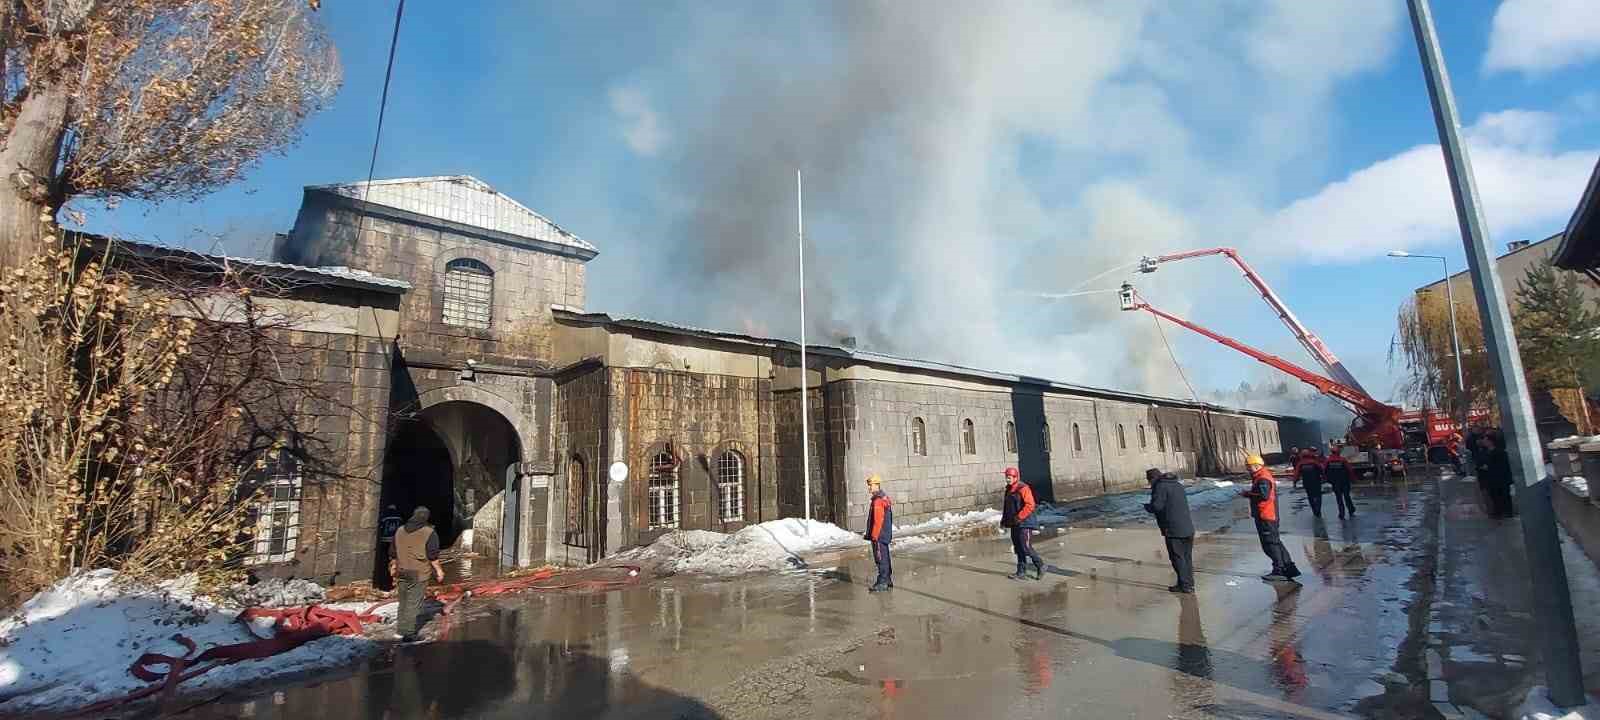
(146, 99)
(137, 398)
(1423, 348)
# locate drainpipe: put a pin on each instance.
(1100, 446)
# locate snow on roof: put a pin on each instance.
(461, 199)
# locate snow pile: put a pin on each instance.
(1221, 483)
(1578, 485)
(1538, 706)
(952, 521)
(772, 545)
(277, 592)
(72, 644)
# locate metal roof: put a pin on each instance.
(460, 199)
(863, 356)
(1580, 248)
(343, 276)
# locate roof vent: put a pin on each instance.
(1516, 245)
(848, 342)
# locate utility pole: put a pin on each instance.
(805, 394)
(1551, 597)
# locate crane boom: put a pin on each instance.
(1312, 343)
(1374, 419)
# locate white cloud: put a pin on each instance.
(1404, 201)
(641, 126)
(1536, 36)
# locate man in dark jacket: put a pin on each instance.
(880, 532)
(1171, 507)
(1018, 516)
(1308, 473)
(1497, 467)
(414, 552)
(1341, 476)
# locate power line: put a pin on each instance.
(383, 105)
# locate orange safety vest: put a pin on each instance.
(1267, 507)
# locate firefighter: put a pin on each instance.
(1019, 518)
(1263, 495)
(1341, 476)
(880, 531)
(1308, 472)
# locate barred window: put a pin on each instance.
(664, 488)
(919, 437)
(969, 437)
(1044, 436)
(730, 486)
(468, 293)
(277, 509)
(1077, 439)
(1011, 437)
(577, 502)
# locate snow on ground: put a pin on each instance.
(277, 593)
(72, 644)
(772, 545)
(1220, 483)
(1539, 707)
(1578, 485)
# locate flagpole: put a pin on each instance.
(805, 396)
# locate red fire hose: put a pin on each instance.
(293, 627)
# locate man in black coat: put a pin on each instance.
(1498, 481)
(1171, 507)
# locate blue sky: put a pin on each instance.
(959, 161)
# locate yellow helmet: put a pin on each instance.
(873, 479)
(1255, 460)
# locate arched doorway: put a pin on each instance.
(460, 459)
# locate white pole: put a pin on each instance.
(805, 399)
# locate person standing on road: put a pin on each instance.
(1263, 495)
(880, 531)
(1171, 507)
(1308, 472)
(1341, 476)
(414, 552)
(1018, 516)
(1498, 465)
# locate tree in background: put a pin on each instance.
(146, 99)
(1422, 344)
(1558, 333)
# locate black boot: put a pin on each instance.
(1038, 571)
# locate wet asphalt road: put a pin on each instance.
(1099, 637)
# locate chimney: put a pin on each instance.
(848, 342)
(1516, 245)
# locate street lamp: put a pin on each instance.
(1455, 339)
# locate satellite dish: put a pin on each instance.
(619, 471)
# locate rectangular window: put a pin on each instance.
(277, 511)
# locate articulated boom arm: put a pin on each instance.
(1312, 343)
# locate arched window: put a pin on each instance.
(1122, 438)
(969, 437)
(1161, 439)
(663, 491)
(1044, 435)
(1077, 439)
(919, 437)
(730, 486)
(1192, 441)
(1011, 437)
(277, 508)
(1142, 443)
(468, 293)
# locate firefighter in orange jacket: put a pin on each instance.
(880, 531)
(1263, 495)
(1018, 517)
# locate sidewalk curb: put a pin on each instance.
(1438, 687)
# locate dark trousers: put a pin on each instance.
(1314, 498)
(1267, 530)
(880, 555)
(1500, 500)
(1181, 552)
(410, 588)
(1341, 493)
(1022, 545)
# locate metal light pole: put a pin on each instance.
(1455, 338)
(805, 399)
(1551, 597)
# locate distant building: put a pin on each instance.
(488, 393)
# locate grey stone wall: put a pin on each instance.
(826, 434)
(526, 281)
(584, 456)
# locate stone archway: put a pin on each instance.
(462, 452)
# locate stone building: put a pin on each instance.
(482, 388)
